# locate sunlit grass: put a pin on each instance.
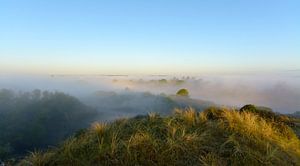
(99, 128)
(216, 136)
(189, 115)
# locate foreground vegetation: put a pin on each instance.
(216, 136)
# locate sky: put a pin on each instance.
(149, 37)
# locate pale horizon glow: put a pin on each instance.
(149, 37)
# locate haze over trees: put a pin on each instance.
(38, 119)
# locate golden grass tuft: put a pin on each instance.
(152, 115)
(251, 125)
(37, 158)
(99, 128)
(189, 115)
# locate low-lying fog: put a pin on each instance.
(279, 91)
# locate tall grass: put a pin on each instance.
(216, 136)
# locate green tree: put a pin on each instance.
(182, 92)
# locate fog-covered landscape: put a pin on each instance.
(38, 111)
(279, 90)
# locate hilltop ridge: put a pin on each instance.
(216, 136)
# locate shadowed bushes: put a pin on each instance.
(38, 119)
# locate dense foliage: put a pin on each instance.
(213, 137)
(37, 119)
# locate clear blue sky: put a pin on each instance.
(149, 36)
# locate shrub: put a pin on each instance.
(267, 114)
(182, 92)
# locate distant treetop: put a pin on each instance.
(182, 92)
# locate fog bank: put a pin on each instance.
(279, 91)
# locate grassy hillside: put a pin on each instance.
(216, 136)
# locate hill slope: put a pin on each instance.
(212, 137)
